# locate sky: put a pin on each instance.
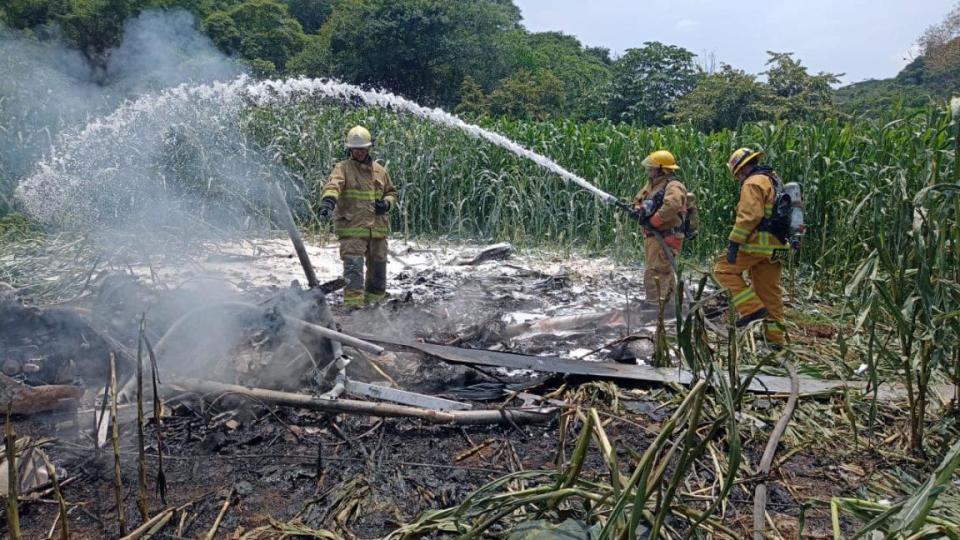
(862, 39)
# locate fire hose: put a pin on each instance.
(645, 223)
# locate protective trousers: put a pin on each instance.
(354, 252)
(764, 290)
(658, 278)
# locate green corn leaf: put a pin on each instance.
(915, 510)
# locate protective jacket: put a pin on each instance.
(356, 187)
(757, 195)
(669, 217)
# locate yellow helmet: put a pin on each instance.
(661, 159)
(359, 137)
(740, 157)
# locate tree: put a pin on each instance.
(257, 30)
(794, 94)
(579, 70)
(31, 13)
(311, 13)
(313, 60)
(95, 26)
(420, 48)
(721, 100)
(940, 44)
(473, 101)
(223, 31)
(529, 96)
(648, 81)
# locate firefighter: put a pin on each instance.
(661, 204)
(753, 249)
(358, 196)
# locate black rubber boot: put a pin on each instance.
(755, 316)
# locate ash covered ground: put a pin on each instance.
(358, 475)
(247, 468)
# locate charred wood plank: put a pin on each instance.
(367, 408)
(761, 384)
(25, 399)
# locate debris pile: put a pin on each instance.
(276, 412)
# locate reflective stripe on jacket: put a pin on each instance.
(356, 186)
(756, 203)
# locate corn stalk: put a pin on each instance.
(13, 482)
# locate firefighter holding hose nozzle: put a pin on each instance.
(662, 206)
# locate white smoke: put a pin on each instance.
(46, 87)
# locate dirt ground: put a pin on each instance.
(363, 477)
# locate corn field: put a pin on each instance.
(855, 175)
(881, 202)
(881, 255)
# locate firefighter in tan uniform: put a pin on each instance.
(359, 195)
(754, 250)
(662, 203)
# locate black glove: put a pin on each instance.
(326, 208)
(646, 210)
(381, 207)
(732, 249)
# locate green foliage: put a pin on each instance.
(875, 96)
(424, 49)
(472, 102)
(419, 48)
(581, 72)
(94, 26)
(454, 185)
(528, 95)
(223, 31)
(648, 81)
(6, 189)
(15, 227)
(722, 100)
(794, 94)
(264, 69)
(257, 30)
(313, 60)
(24, 14)
(311, 13)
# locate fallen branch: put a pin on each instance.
(36, 399)
(115, 438)
(351, 341)
(13, 483)
(760, 495)
(157, 521)
(348, 406)
(223, 511)
(286, 219)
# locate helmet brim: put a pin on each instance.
(359, 146)
(651, 165)
(756, 156)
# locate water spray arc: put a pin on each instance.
(52, 190)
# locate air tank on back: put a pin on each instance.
(797, 227)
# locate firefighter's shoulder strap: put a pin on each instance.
(778, 222)
(662, 192)
(774, 178)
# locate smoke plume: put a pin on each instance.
(47, 87)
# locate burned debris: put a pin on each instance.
(277, 412)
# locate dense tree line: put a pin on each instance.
(474, 57)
